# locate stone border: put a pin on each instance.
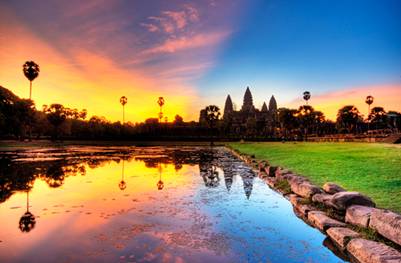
(336, 213)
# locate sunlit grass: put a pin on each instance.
(372, 169)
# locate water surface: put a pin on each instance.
(132, 204)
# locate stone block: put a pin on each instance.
(322, 221)
(343, 200)
(367, 251)
(387, 223)
(342, 235)
(332, 188)
(358, 215)
(324, 199)
(304, 188)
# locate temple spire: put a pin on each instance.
(228, 107)
(264, 107)
(272, 104)
(248, 101)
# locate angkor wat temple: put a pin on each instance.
(249, 120)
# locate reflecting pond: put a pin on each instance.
(141, 204)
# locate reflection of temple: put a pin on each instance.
(210, 161)
(248, 185)
(228, 177)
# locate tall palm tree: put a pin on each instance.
(31, 71)
(369, 100)
(123, 101)
(306, 96)
(160, 101)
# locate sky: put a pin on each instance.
(194, 53)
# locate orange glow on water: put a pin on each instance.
(90, 202)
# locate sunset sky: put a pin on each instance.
(194, 53)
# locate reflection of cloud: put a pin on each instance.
(387, 96)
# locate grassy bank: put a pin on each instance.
(372, 169)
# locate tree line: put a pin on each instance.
(19, 119)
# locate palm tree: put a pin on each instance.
(369, 100)
(160, 101)
(306, 96)
(31, 71)
(123, 101)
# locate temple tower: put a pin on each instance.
(228, 108)
(273, 105)
(264, 107)
(247, 106)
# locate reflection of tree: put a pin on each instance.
(27, 221)
(160, 183)
(18, 177)
(54, 176)
(211, 178)
(208, 170)
(122, 185)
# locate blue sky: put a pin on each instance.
(286, 47)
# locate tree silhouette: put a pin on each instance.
(178, 120)
(31, 71)
(369, 100)
(306, 96)
(123, 101)
(56, 114)
(212, 113)
(288, 119)
(348, 117)
(378, 116)
(160, 101)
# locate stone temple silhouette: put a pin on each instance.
(248, 120)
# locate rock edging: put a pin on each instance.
(353, 208)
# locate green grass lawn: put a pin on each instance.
(372, 169)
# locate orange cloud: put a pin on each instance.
(386, 96)
(88, 80)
